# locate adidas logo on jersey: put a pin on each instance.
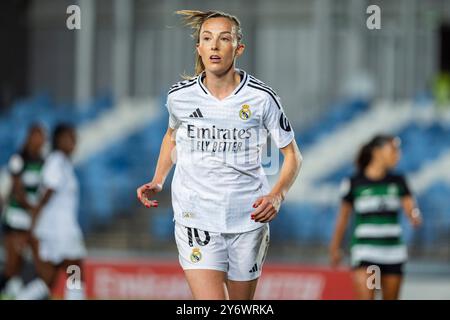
(254, 269)
(196, 114)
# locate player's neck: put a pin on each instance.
(375, 172)
(221, 86)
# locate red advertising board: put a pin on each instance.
(148, 279)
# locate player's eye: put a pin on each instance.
(225, 39)
(206, 38)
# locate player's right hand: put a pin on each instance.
(146, 192)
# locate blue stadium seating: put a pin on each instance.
(428, 141)
(337, 115)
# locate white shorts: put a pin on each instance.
(57, 249)
(240, 255)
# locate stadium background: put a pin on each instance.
(339, 81)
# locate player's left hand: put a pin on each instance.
(267, 208)
(416, 221)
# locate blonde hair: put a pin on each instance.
(195, 19)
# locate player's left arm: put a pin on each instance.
(411, 210)
(267, 207)
(408, 202)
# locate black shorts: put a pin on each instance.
(396, 268)
(7, 229)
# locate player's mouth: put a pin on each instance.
(215, 58)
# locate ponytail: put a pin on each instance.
(364, 157)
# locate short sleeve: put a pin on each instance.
(52, 173)
(16, 165)
(173, 120)
(404, 187)
(276, 122)
(345, 190)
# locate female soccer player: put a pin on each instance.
(376, 196)
(221, 198)
(57, 241)
(25, 169)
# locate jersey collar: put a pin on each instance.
(244, 79)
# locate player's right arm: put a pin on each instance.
(146, 192)
(341, 225)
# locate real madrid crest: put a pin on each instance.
(196, 255)
(245, 112)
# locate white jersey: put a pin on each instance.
(58, 218)
(218, 174)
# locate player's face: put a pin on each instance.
(218, 45)
(68, 142)
(37, 140)
(390, 154)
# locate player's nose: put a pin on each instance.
(215, 44)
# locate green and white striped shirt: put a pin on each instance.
(29, 172)
(376, 233)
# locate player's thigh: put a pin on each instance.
(363, 291)
(203, 257)
(199, 249)
(15, 243)
(47, 271)
(207, 284)
(246, 253)
(390, 284)
(241, 290)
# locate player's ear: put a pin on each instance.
(240, 49)
(198, 49)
